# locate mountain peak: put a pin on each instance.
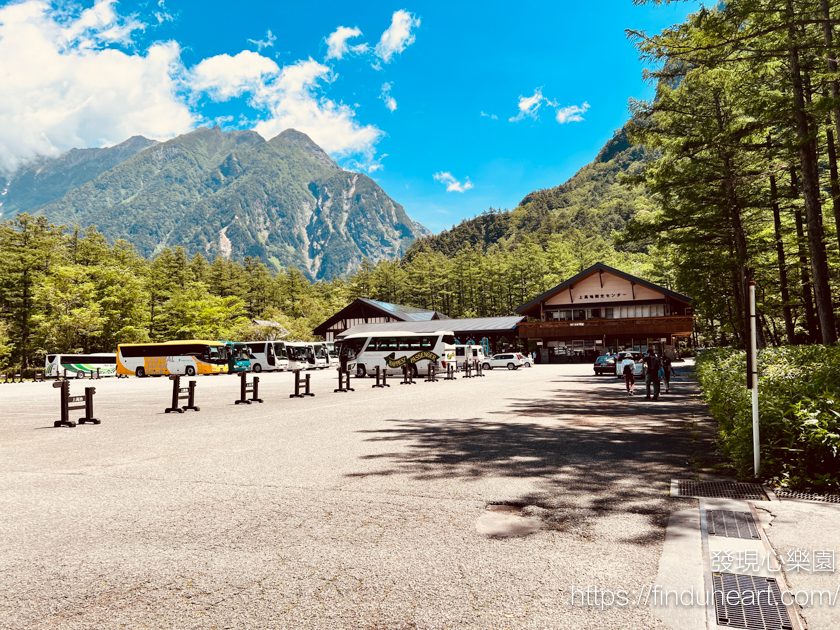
(299, 140)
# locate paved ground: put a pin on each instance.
(365, 510)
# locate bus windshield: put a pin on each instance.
(350, 348)
(320, 351)
(297, 353)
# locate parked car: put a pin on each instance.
(510, 360)
(525, 358)
(604, 365)
(637, 358)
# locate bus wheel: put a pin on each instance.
(139, 372)
(190, 371)
(361, 372)
(80, 374)
(257, 367)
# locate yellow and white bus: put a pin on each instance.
(188, 358)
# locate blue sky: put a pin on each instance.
(452, 108)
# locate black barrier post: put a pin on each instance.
(343, 375)
(65, 421)
(255, 390)
(467, 369)
(450, 372)
(431, 377)
(384, 382)
(479, 370)
(297, 393)
(39, 376)
(243, 390)
(408, 377)
(89, 392)
(182, 393)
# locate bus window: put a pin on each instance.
(449, 340)
(409, 344)
(387, 344)
(280, 349)
(459, 351)
(427, 343)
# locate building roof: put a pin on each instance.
(363, 307)
(469, 325)
(605, 268)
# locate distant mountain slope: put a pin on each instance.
(592, 201)
(50, 178)
(234, 194)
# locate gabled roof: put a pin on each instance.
(363, 307)
(605, 268)
(468, 325)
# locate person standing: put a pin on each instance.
(625, 368)
(652, 366)
(667, 370)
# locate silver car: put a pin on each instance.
(510, 360)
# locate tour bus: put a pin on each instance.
(301, 355)
(267, 356)
(322, 356)
(80, 365)
(332, 352)
(463, 352)
(390, 350)
(188, 358)
(238, 357)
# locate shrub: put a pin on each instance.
(799, 417)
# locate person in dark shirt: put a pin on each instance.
(652, 365)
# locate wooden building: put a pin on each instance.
(604, 310)
(365, 311)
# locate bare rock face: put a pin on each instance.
(233, 194)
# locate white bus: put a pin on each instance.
(300, 355)
(322, 355)
(173, 357)
(80, 365)
(392, 349)
(267, 356)
(462, 352)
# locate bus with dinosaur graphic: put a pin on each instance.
(390, 350)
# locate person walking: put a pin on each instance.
(652, 366)
(667, 370)
(625, 368)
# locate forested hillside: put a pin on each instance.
(588, 209)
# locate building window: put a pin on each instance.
(593, 313)
(609, 313)
(579, 313)
(564, 315)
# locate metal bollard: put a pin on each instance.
(384, 382)
(297, 393)
(467, 369)
(479, 370)
(408, 377)
(431, 376)
(450, 372)
(343, 377)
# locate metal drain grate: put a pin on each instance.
(827, 498)
(749, 602)
(731, 524)
(719, 490)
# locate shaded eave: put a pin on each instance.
(525, 308)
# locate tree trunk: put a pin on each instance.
(811, 193)
(790, 330)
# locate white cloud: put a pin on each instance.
(224, 77)
(63, 87)
(452, 184)
(490, 116)
(74, 78)
(291, 101)
(268, 42)
(398, 37)
(572, 113)
(390, 102)
(529, 106)
(337, 45)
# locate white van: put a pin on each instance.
(392, 349)
(264, 356)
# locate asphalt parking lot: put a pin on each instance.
(380, 508)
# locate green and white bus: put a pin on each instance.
(80, 365)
